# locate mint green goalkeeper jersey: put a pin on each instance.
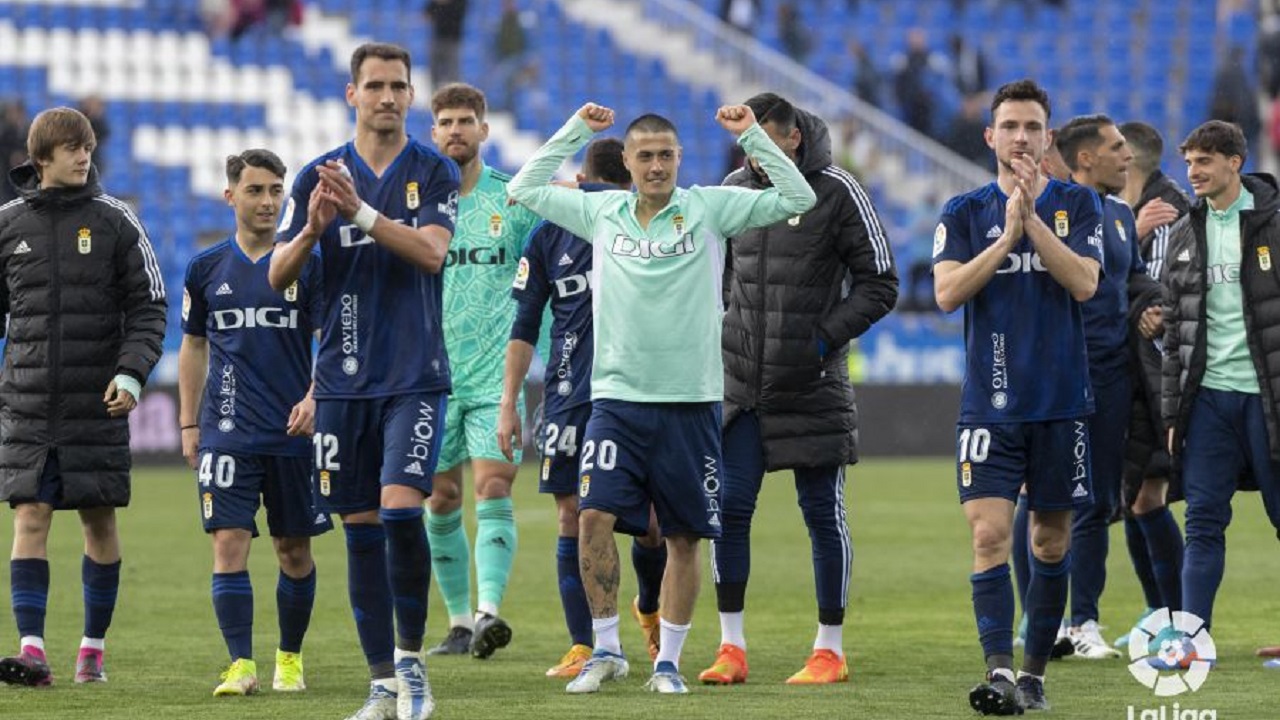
(488, 241)
(657, 306)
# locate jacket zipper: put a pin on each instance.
(55, 331)
(762, 315)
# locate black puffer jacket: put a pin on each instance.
(827, 274)
(85, 301)
(1185, 278)
(1145, 354)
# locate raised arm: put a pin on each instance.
(570, 209)
(289, 258)
(1073, 271)
(424, 247)
(740, 208)
(954, 282)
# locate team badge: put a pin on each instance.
(939, 239)
(84, 241)
(563, 388)
(678, 221)
(1264, 258)
(324, 483)
(291, 292)
(584, 486)
(546, 468)
(207, 503)
(411, 198)
(966, 475)
(1120, 231)
(794, 222)
(186, 303)
(1061, 227)
(350, 365)
(495, 225)
(226, 424)
(522, 275)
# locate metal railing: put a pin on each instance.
(758, 67)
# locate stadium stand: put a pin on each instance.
(179, 100)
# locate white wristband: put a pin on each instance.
(365, 217)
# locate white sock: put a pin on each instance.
(34, 641)
(1027, 674)
(487, 608)
(1005, 673)
(731, 630)
(606, 630)
(98, 644)
(671, 642)
(462, 621)
(830, 637)
(402, 654)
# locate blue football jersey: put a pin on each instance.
(1106, 314)
(259, 349)
(380, 332)
(1025, 355)
(556, 266)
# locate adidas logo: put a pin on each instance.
(499, 542)
(320, 519)
(224, 289)
(994, 232)
(414, 468)
(714, 521)
(1184, 256)
(1079, 492)
(565, 260)
(22, 249)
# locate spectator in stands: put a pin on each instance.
(1235, 99)
(965, 133)
(509, 48)
(446, 17)
(741, 15)
(968, 67)
(96, 110)
(866, 78)
(13, 144)
(797, 43)
(911, 83)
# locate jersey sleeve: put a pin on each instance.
(1138, 265)
(195, 310)
(532, 287)
(737, 209)
(951, 236)
(439, 201)
(294, 217)
(1084, 234)
(313, 290)
(573, 210)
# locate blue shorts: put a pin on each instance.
(362, 445)
(1052, 458)
(230, 484)
(49, 490)
(667, 454)
(558, 441)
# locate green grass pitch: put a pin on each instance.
(910, 633)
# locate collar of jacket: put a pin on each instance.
(26, 181)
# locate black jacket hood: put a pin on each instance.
(814, 153)
(26, 180)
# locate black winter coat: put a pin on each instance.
(825, 275)
(85, 301)
(1185, 307)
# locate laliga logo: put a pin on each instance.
(1180, 643)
